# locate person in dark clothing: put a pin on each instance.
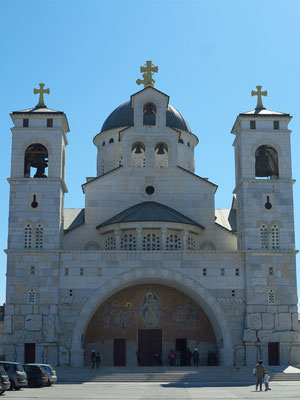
(259, 372)
(188, 356)
(171, 357)
(196, 357)
(98, 360)
(93, 358)
(138, 356)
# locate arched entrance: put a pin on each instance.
(138, 277)
(153, 320)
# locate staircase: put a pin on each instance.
(179, 375)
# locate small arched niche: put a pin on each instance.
(161, 155)
(36, 156)
(138, 155)
(266, 162)
(149, 114)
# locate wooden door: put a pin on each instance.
(119, 352)
(150, 343)
(29, 353)
(273, 353)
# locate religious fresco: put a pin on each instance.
(149, 306)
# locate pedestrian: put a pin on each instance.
(171, 357)
(93, 358)
(188, 356)
(266, 381)
(177, 358)
(259, 373)
(98, 360)
(138, 356)
(196, 357)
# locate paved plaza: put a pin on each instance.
(147, 391)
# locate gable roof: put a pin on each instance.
(73, 217)
(149, 211)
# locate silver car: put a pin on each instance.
(17, 375)
(52, 378)
(4, 380)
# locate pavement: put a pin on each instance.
(157, 391)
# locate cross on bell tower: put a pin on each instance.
(259, 93)
(41, 91)
(148, 70)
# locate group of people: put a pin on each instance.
(262, 376)
(95, 359)
(175, 358)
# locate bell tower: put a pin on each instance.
(265, 227)
(37, 181)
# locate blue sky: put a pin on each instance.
(210, 55)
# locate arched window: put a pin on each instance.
(208, 246)
(161, 155)
(111, 140)
(31, 296)
(120, 161)
(264, 239)
(266, 162)
(103, 143)
(149, 114)
(173, 242)
(128, 242)
(180, 141)
(271, 296)
(138, 155)
(110, 243)
(190, 243)
(36, 156)
(151, 241)
(275, 236)
(27, 236)
(39, 233)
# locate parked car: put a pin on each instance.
(17, 375)
(4, 380)
(52, 378)
(37, 376)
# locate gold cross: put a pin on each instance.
(259, 93)
(41, 91)
(148, 70)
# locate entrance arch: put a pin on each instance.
(159, 276)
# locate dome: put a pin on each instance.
(123, 116)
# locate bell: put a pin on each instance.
(138, 149)
(262, 165)
(161, 149)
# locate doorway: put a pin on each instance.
(181, 346)
(273, 353)
(29, 353)
(119, 352)
(150, 343)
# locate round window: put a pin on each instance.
(150, 190)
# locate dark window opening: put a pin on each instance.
(111, 140)
(49, 123)
(276, 124)
(252, 124)
(266, 162)
(29, 353)
(150, 190)
(204, 271)
(36, 156)
(34, 203)
(237, 272)
(233, 293)
(149, 114)
(25, 123)
(188, 144)
(180, 141)
(103, 143)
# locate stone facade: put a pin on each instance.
(150, 223)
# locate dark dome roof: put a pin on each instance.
(123, 116)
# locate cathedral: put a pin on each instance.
(149, 265)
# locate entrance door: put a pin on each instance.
(29, 353)
(273, 353)
(181, 346)
(150, 343)
(119, 352)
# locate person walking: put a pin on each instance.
(171, 358)
(259, 372)
(98, 360)
(93, 359)
(266, 381)
(196, 357)
(177, 358)
(188, 357)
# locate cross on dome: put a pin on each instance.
(259, 93)
(148, 70)
(41, 91)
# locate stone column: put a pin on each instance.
(139, 231)
(163, 238)
(118, 238)
(184, 239)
